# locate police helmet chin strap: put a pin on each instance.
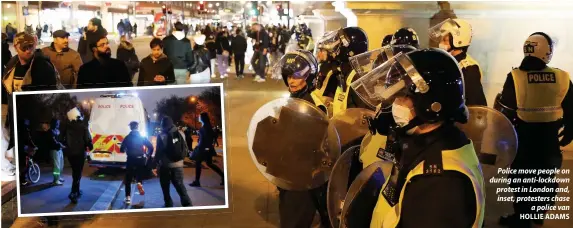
(412, 124)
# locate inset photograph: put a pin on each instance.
(120, 150)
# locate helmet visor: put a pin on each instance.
(329, 42)
(365, 62)
(293, 65)
(442, 29)
(389, 80)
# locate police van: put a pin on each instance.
(108, 125)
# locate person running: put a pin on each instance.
(134, 145)
(204, 151)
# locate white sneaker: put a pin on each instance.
(128, 200)
(226, 75)
(213, 76)
(257, 78)
(261, 80)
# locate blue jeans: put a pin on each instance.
(180, 76)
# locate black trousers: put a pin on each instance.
(77, 163)
(239, 63)
(538, 148)
(209, 163)
(297, 208)
(174, 176)
(135, 167)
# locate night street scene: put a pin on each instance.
(56, 123)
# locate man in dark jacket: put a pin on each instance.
(92, 33)
(77, 139)
(103, 71)
(178, 49)
(29, 70)
(66, 60)
(156, 69)
(6, 54)
(259, 60)
(170, 171)
(239, 47)
(133, 145)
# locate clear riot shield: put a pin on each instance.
(363, 195)
(352, 124)
(365, 62)
(493, 136)
(292, 144)
(345, 170)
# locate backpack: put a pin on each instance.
(175, 146)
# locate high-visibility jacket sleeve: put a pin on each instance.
(567, 105)
(440, 207)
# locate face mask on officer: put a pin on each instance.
(445, 43)
(403, 113)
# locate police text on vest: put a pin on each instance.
(541, 77)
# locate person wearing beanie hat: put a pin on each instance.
(199, 68)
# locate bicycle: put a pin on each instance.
(32, 170)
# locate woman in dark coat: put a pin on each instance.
(204, 151)
(126, 53)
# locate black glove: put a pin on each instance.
(567, 137)
(382, 122)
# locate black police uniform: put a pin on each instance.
(472, 78)
(538, 144)
(133, 145)
(430, 196)
(298, 208)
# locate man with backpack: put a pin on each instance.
(133, 145)
(171, 150)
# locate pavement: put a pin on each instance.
(253, 201)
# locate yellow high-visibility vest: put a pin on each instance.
(463, 160)
(539, 94)
(469, 61)
(340, 102)
(318, 102)
(371, 144)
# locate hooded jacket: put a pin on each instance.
(88, 37)
(149, 68)
(77, 138)
(200, 59)
(67, 62)
(161, 158)
(178, 49)
(126, 53)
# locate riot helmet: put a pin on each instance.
(539, 45)
(366, 62)
(452, 34)
(406, 36)
(343, 43)
(431, 79)
(299, 64)
(386, 41)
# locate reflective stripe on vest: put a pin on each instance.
(371, 144)
(468, 62)
(340, 102)
(318, 102)
(539, 94)
(463, 160)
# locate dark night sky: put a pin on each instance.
(149, 97)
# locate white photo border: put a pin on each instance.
(224, 140)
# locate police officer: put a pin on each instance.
(542, 102)
(406, 36)
(134, 145)
(386, 41)
(455, 37)
(437, 180)
(297, 208)
(333, 51)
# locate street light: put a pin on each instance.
(210, 5)
(217, 4)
